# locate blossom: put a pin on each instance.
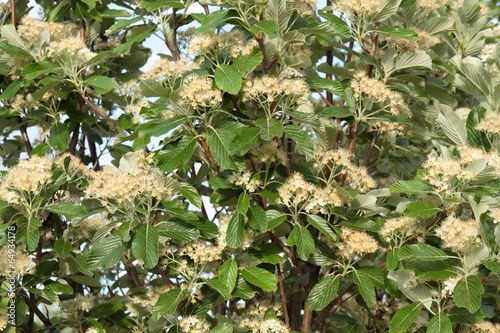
(378, 92)
(198, 92)
(423, 42)
(92, 330)
(364, 7)
(400, 227)
(245, 180)
(494, 213)
(233, 43)
(355, 243)
(73, 47)
(193, 324)
(458, 235)
(449, 285)
(15, 261)
(270, 153)
(441, 173)
(269, 88)
(483, 327)
(428, 4)
(490, 123)
(164, 68)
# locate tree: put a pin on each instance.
(282, 167)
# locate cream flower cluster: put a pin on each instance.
(23, 264)
(355, 243)
(490, 123)
(296, 191)
(378, 92)
(29, 176)
(424, 41)
(428, 4)
(78, 304)
(165, 68)
(255, 318)
(441, 173)
(31, 29)
(201, 252)
(362, 7)
(234, 43)
(124, 185)
(269, 88)
(494, 213)
(193, 324)
(449, 285)
(270, 153)
(400, 227)
(244, 179)
(483, 327)
(198, 92)
(458, 235)
(73, 47)
(92, 224)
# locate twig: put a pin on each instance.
(370, 150)
(93, 153)
(208, 154)
(95, 108)
(283, 296)
(24, 135)
(323, 98)
(324, 313)
(163, 276)
(13, 12)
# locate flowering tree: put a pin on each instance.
(285, 166)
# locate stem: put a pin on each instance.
(163, 276)
(93, 153)
(370, 150)
(24, 136)
(373, 50)
(283, 296)
(324, 313)
(13, 12)
(208, 154)
(95, 108)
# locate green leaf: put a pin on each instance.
(337, 112)
(228, 79)
(158, 129)
(59, 136)
(316, 82)
(389, 8)
(260, 278)
(243, 203)
(245, 64)
(106, 253)
(28, 230)
(257, 218)
(219, 286)
(219, 143)
(228, 274)
(153, 88)
(475, 137)
(440, 323)
(190, 193)
(302, 139)
(123, 23)
(167, 303)
(111, 13)
(365, 285)
(178, 230)
(68, 209)
(274, 218)
(323, 293)
(145, 245)
(86, 280)
(411, 187)
(171, 156)
(244, 140)
(412, 60)
(266, 252)
(154, 5)
(62, 247)
(235, 230)
(422, 252)
(452, 126)
(105, 310)
(421, 209)
(266, 26)
(322, 225)
(304, 241)
(398, 32)
(213, 20)
(467, 293)
(243, 289)
(269, 128)
(337, 24)
(136, 34)
(34, 70)
(222, 328)
(461, 315)
(406, 316)
(101, 84)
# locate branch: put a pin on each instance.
(283, 296)
(370, 150)
(24, 135)
(324, 313)
(93, 153)
(208, 154)
(13, 12)
(323, 98)
(95, 108)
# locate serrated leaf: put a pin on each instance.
(440, 323)
(243, 203)
(219, 143)
(228, 274)
(235, 231)
(247, 63)
(398, 32)
(123, 23)
(136, 35)
(322, 225)
(228, 79)
(243, 289)
(422, 252)
(62, 247)
(68, 209)
(412, 60)
(178, 230)
(11, 90)
(337, 112)
(420, 209)
(257, 218)
(266, 26)
(269, 128)
(467, 293)
(190, 193)
(222, 328)
(406, 316)
(244, 140)
(221, 287)
(389, 8)
(274, 218)
(28, 230)
(410, 187)
(365, 285)
(323, 293)
(171, 156)
(86, 280)
(260, 278)
(453, 127)
(153, 88)
(167, 303)
(304, 241)
(213, 20)
(145, 245)
(106, 253)
(302, 139)
(266, 252)
(59, 136)
(101, 84)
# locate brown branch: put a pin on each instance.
(206, 9)
(324, 313)
(280, 146)
(83, 31)
(93, 153)
(329, 61)
(165, 279)
(74, 140)
(349, 54)
(323, 98)
(370, 150)
(24, 135)
(373, 50)
(94, 107)
(13, 12)
(283, 296)
(260, 41)
(131, 270)
(208, 154)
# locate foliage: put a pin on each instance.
(284, 166)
